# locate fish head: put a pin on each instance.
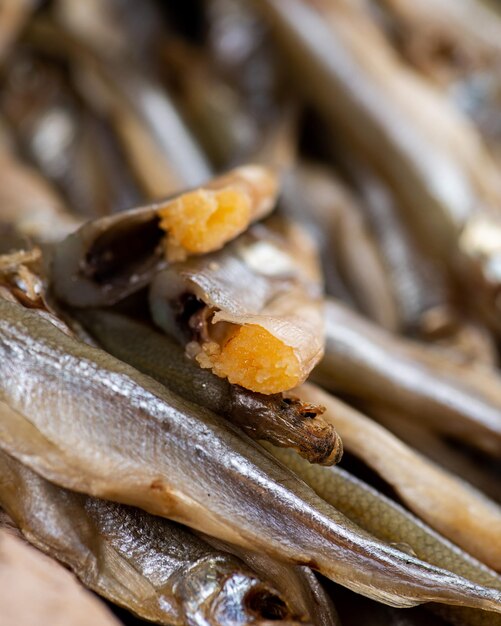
(221, 591)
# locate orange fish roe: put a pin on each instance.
(255, 359)
(204, 220)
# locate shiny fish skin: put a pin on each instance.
(388, 521)
(285, 306)
(298, 583)
(453, 507)
(451, 192)
(97, 425)
(109, 258)
(373, 365)
(152, 567)
(284, 423)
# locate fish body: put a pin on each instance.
(90, 423)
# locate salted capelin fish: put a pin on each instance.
(285, 422)
(109, 258)
(390, 522)
(90, 423)
(368, 363)
(266, 338)
(453, 507)
(157, 569)
(434, 157)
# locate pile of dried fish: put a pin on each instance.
(250, 281)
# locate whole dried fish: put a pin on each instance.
(110, 258)
(457, 510)
(285, 422)
(154, 568)
(91, 423)
(390, 522)
(267, 338)
(37, 590)
(367, 362)
(443, 175)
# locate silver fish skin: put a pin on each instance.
(155, 568)
(90, 423)
(389, 521)
(300, 583)
(446, 180)
(373, 365)
(284, 422)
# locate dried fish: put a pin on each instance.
(283, 422)
(390, 522)
(154, 568)
(90, 423)
(73, 148)
(447, 328)
(267, 338)
(454, 508)
(442, 452)
(443, 176)
(418, 283)
(297, 582)
(371, 364)
(110, 258)
(457, 45)
(212, 107)
(159, 149)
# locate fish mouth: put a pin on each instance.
(249, 601)
(265, 605)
